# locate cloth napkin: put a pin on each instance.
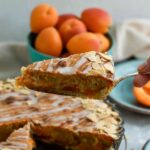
(131, 38)
(13, 55)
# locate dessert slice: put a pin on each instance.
(19, 140)
(88, 74)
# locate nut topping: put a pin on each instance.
(107, 57)
(109, 67)
(96, 66)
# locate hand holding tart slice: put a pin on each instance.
(88, 74)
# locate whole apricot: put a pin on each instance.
(96, 20)
(49, 42)
(62, 18)
(83, 42)
(43, 16)
(70, 28)
(104, 41)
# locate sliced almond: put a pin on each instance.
(115, 114)
(91, 58)
(103, 106)
(23, 69)
(110, 129)
(113, 136)
(24, 91)
(92, 117)
(100, 125)
(98, 59)
(99, 67)
(37, 94)
(96, 66)
(72, 59)
(87, 104)
(29, 103)
(87, 69)
(109, 67)
(111, 120)
(107, 57)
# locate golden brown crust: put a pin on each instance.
(86, 75)
(19, 139)
(8, 127)
(75, 85)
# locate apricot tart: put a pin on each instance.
(88, 74)
(19, 140)
(73, 123)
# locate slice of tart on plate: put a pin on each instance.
(88, 74)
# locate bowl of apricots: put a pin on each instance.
(54, 35)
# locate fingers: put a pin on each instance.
(145, 67)
(141, 80)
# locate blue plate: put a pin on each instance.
(147, 145)
(122, 94)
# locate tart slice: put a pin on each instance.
(19, 140)
(88, 74)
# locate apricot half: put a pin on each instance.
(142, 94)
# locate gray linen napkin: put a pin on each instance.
(13, 55)
(131, 38)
